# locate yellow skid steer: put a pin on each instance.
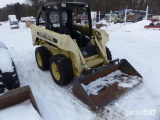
(71, 49)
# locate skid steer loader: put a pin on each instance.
(71, 50)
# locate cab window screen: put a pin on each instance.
(80, 16)
(54, 18)
(42, 19)
(64, 18)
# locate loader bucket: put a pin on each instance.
(17, 96)
(110, 86)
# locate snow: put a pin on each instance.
(5, 61)
(30, 18)
(141, 47)
(2, 45)
(124, 81)
(135, 26)
(103, 22)
(22, 111)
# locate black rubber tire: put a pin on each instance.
(64, 67)
(109, 55)
(2, 87)
(44, 56)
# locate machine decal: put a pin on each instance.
(46, 36)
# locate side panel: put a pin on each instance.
(58, 44)
(102, 37)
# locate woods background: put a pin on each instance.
(31, 6)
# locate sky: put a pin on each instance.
(3, 3)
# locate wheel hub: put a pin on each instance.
(39, 59)
(55, 71)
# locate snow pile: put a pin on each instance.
(5, 61)
(124, 80)
(2, 45)
(103, 22)
(128, 27)
(23, 111)
(113, 27)
(135, 26)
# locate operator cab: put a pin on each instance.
(68, 18)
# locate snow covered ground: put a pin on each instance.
(18, 112)
(141, 47)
